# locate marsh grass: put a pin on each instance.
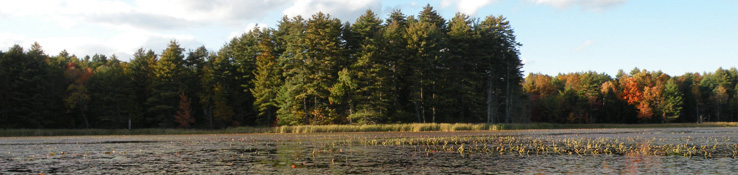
(411, 127)
(418, 127)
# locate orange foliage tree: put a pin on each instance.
(631, 92)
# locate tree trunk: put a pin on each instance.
(209, 112)
(663, 117)
(508, 99)
(351, 111)
(129, 121)
(417, 111)
(422, 101)
(490, 113)
(718, 113)
(433, 109)
(87, 123)
(315, 108)
(269, 116)
(117, 111)
(305, 109)
(699, 117)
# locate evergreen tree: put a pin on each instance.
(267, 77)
(424, 39)
(292, 97)
(111, 92)
(501, 64)
(141, 77)
(368, 78)
(28, 88)
(671, 107)
(324, 57)
(168, 72)
(463, 78)
(195, 63)
(398, 58)
(243, 52)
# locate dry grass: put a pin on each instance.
(411, 127)
(418, 127)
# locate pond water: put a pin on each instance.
(581, 151)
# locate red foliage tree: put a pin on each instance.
(184, 117)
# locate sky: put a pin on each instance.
(557, 36)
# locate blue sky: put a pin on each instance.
(675, 36)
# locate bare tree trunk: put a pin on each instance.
(417, 111)
(508, 99)
(699, 117)
(315, 108)
(129, 121)
(117, 111)
(422, 101)
(210, 115)
(490, 113)
(87, 123)
(351, 110)
(433, 109)
(304, 100)
(305, 109)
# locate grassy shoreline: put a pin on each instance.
(412, 127)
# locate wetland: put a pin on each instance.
(546, 151)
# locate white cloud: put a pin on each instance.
(168, 14)
(7, 40)
(469, 7)
(344, 10)
(589, 5)
(584, 45)
(121, 45)
(525, 61)
(130, 24)
(248, 28)
(226, 11)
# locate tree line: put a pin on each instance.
(319, 70)
(640, 96)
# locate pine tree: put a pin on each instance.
(369, 95)
(195, 63)
(424, 39)
(324, 57)
(141, 78)
(243, 52)
(267, 77)
(397, 55)
(501, 64)
(671, 107)
(292, 97)
(169, 73)
(463, 78)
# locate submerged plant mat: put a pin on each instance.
(577, 151)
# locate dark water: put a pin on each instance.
(372, 153)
